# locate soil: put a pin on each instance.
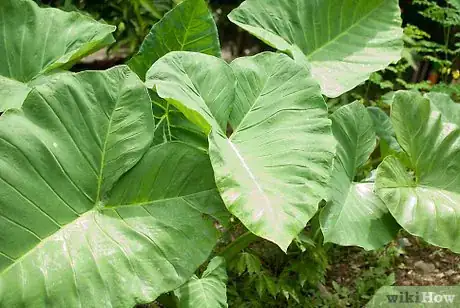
(418, 264)
(443, 266)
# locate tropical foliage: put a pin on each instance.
(117, 186)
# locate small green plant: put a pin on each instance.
(421, 49)
(280, 280)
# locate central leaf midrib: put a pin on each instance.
(256, 101)
(351, 185)
(4, 40)
(151, 202)
(250, 173)
(237, 152)
(104, 147)
(95, 209)
(187, 29)
(344, 33)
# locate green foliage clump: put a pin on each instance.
(422, 51)
(135, 175)
(280, 280)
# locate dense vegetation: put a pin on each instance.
(186, 180)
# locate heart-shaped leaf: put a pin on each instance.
(425, 199)
(345, 41)
(189, 26)
(272, 171)
(67, 239)
(354, 215)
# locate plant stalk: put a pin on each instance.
(243, 241)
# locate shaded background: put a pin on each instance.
(134, 19)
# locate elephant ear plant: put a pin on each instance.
(35, 42)
(422, 192)
(115, 185)
(344, 41)
(272, 171)
(78, 228)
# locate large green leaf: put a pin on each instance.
(65, 241)
(35, 41)
(12, 93)
(354, 215)
(209, 291)
(191, 182)
(449, 109)
(424, 200)
(272, 171)
(384, 128)
(189, 27)
(204, 82)
(344, 40)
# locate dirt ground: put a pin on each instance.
(415, 264)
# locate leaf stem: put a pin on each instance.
(237, 245)
(159, 123)
(158, 105)
(167, 121)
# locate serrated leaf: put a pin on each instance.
(187, 27)
(354, 215)
(260, 286)
(455, 3)
(65, 241)
(272, 171)
(209, 291)
(246, 262)
(344, 40)
(35, 41)
(425, 199)
(265, 283)
(270, 285)
(289, 292)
